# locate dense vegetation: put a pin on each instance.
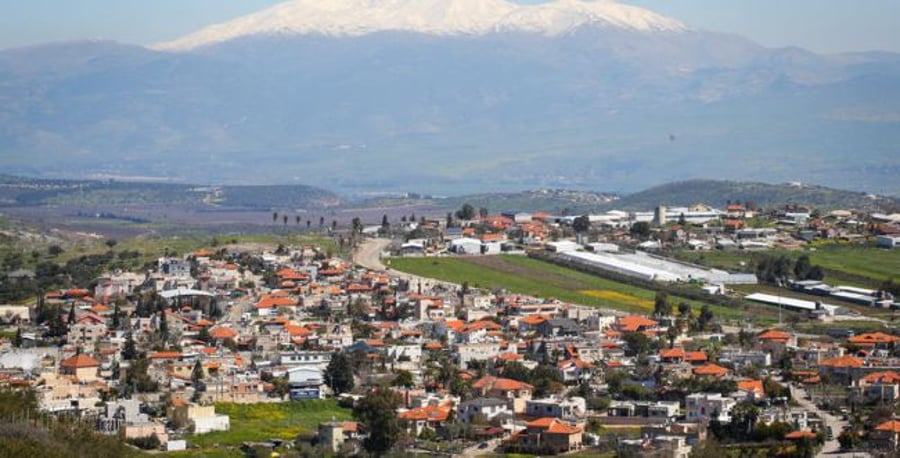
(24, 432)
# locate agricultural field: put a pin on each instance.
(854, 264)
(523, 275)
(261, 422)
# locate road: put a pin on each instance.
(368, 255)
(832, 447)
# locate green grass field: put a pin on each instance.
(260, 422)
(523, 275)
(855, 264)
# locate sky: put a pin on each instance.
(825, 26)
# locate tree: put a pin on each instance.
(284, 219)
(163, 326)
(661, 305)
(129, 350)
(483, 212)
(684, 309)
(274, 217)
(378, 412)
(111, 242)
(581, 224)
(17, 341)
(640, 229)
(197, 374)
(71, 317)
(705, 318)
(637, 342)
(357, 225)
(449, 219)
(55, 250)
(116, 316)
(802, 267)
(56, 326)
(204, 334)
(339, 373)
(404, 378)
(466, 212)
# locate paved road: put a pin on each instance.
(832, 447)
(368, 255)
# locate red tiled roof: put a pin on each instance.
(755, 386)
(774, 334)
(223, 333)
(634, 322)
(270, 301)
(800, 435)
(79, 361)
(843, 361)
(165, 355)
(884, 378)
(890, 425)
(428, 413)
(490, 382)
(711, 369)
(873, 338)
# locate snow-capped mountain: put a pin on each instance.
(350, 18)
(450, 96)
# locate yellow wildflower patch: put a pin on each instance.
(621, 298)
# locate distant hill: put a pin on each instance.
(20, 191)
(547, 200)
(765, 195)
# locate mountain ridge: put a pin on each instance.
(432, 17)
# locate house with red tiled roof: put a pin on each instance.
(82, 366)
(679, 355)
(518, 393)
(775, 341)
(575, 370)
(874, 340)
(548, 435)
(222, 333)
(634, 323)
(886, 435)
(843, 369)
(418, 419)
(268, 303)
(710, 370)
(882, 386)
(753, 390)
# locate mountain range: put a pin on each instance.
(452, 97)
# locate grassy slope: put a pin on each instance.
(529, 276)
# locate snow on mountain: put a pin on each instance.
(433, 17)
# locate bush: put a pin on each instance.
(150, 442)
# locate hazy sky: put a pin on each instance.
(818, 25)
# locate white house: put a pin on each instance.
(306, 382)
(489, 408)
(573, 408)
(703, 407)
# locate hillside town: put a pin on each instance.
(439, 367)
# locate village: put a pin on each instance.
(147, 356)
